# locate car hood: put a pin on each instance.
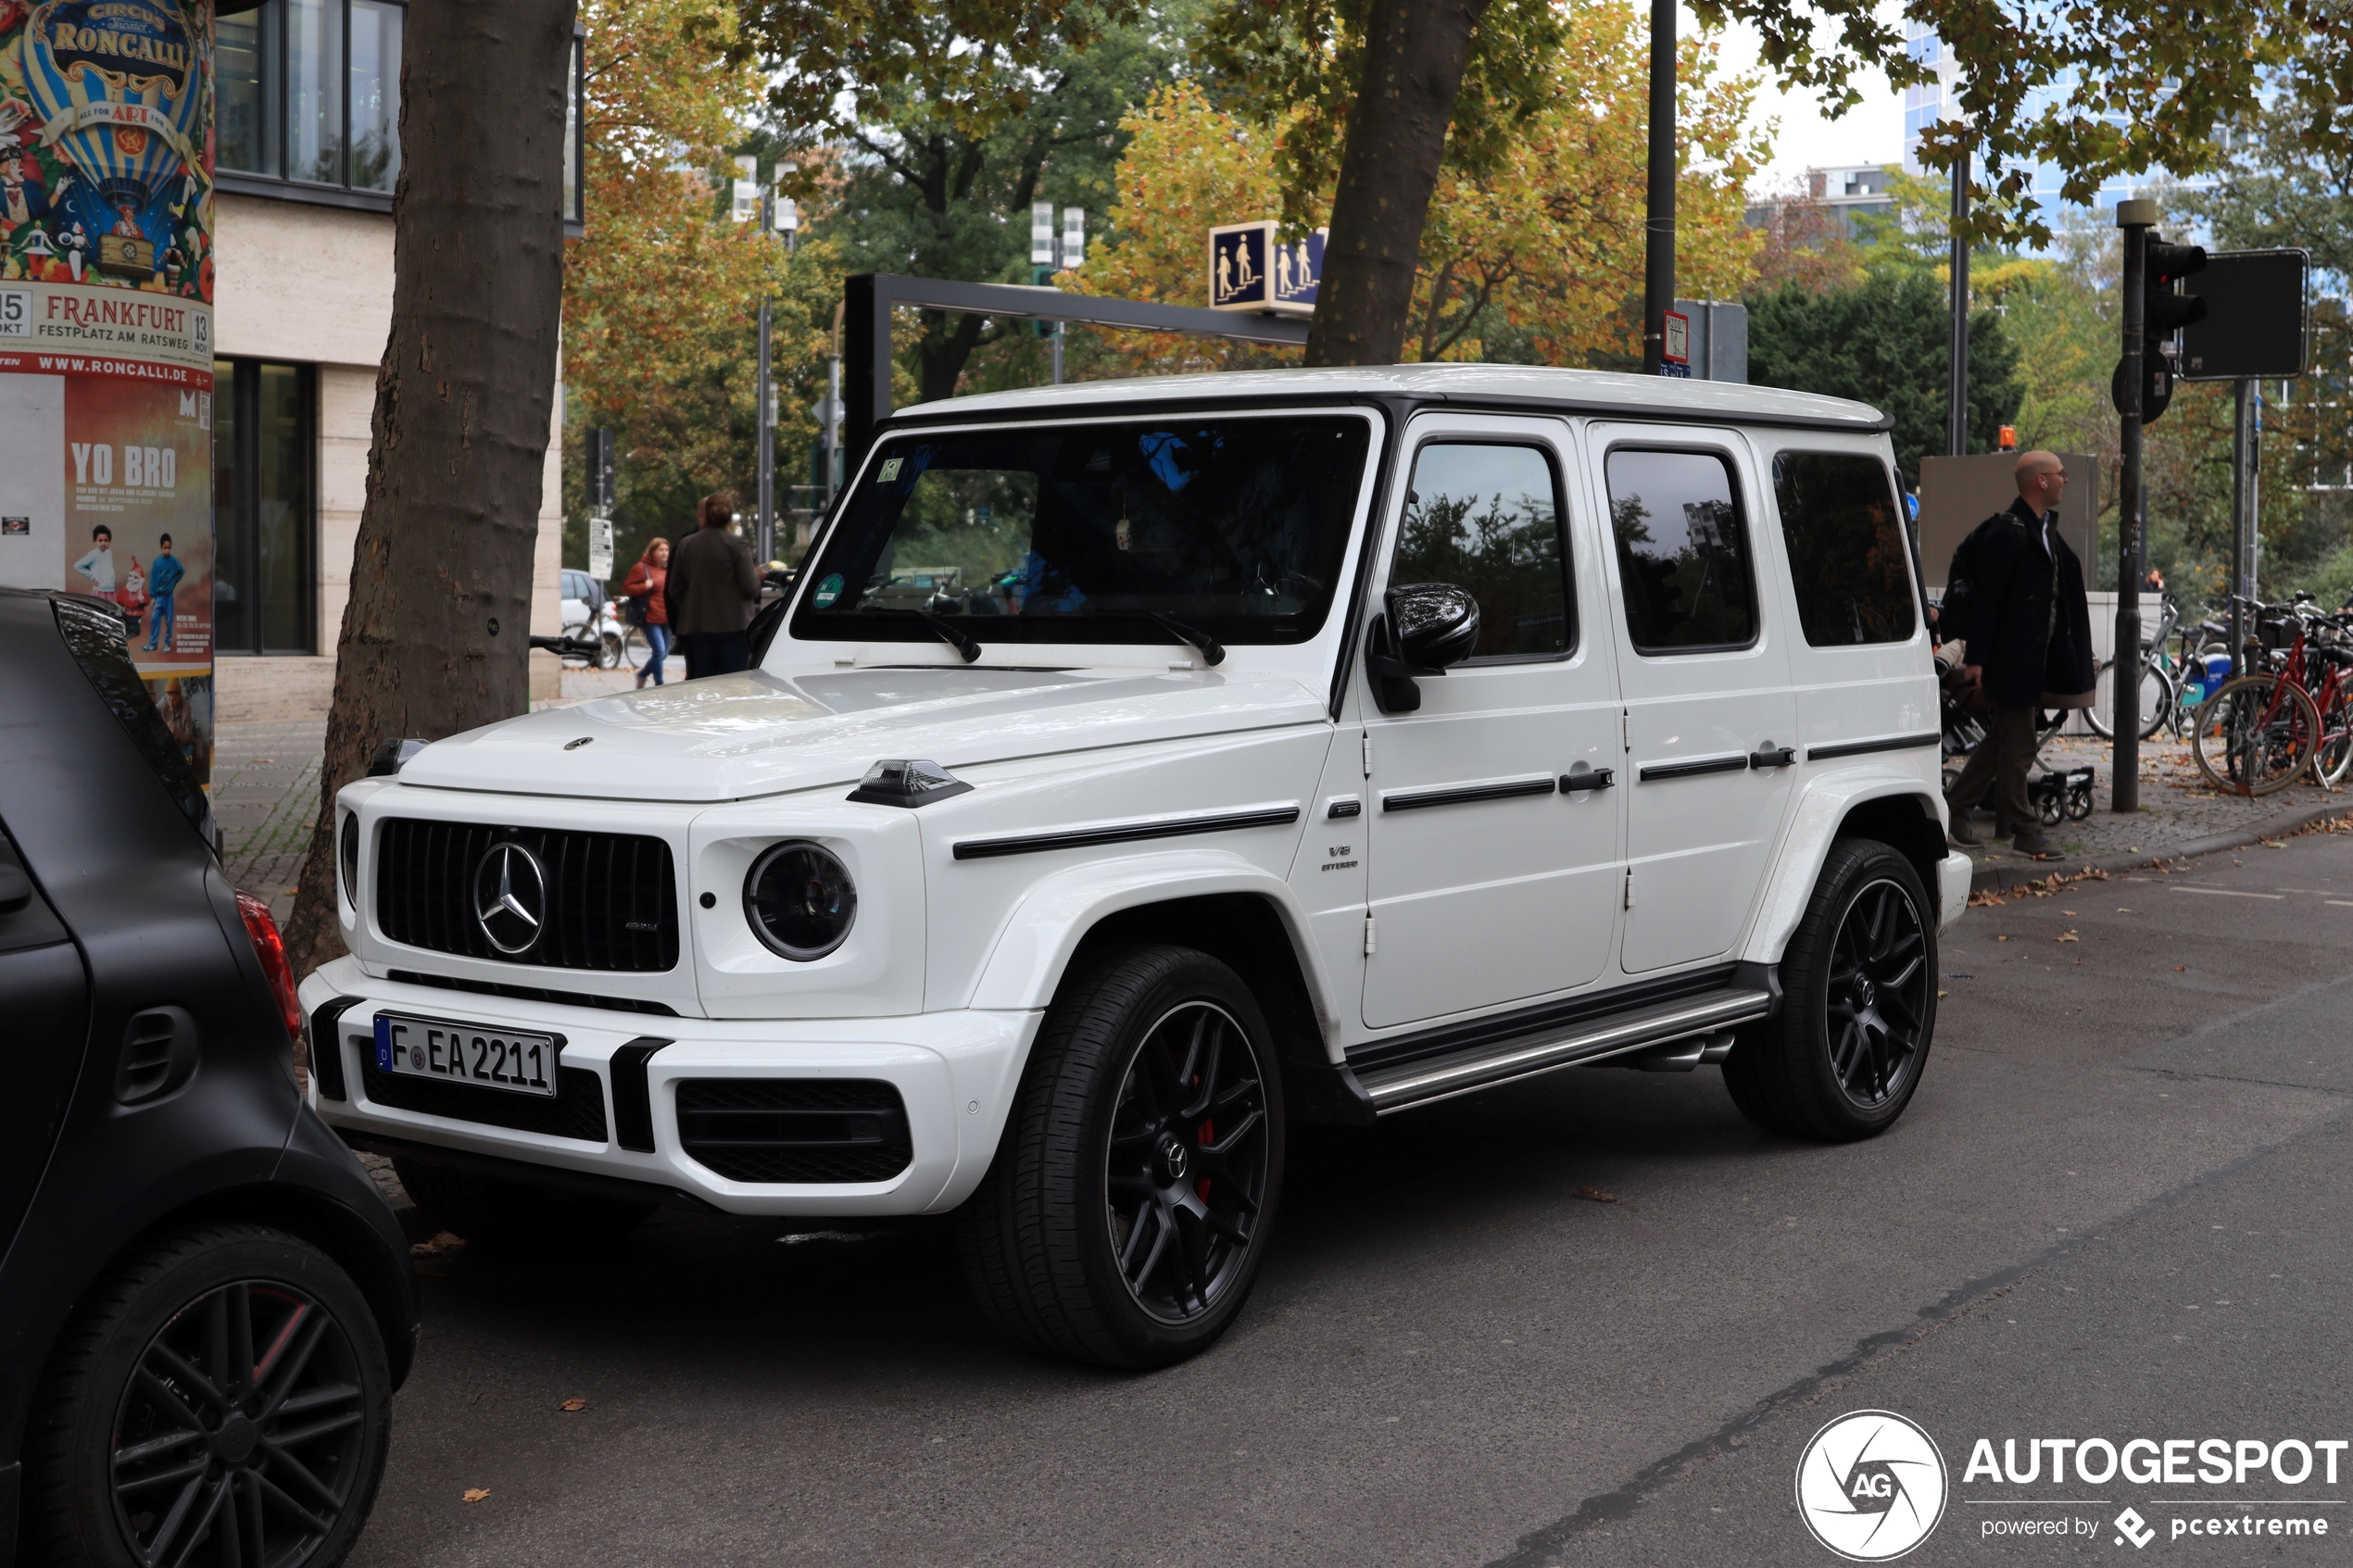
(736, 736)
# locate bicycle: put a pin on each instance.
(2261, 731)
(2161, 697)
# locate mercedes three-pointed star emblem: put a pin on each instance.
(510, 896)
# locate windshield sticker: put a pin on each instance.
(829, 589)
(890, 469)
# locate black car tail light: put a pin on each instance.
(270, 948)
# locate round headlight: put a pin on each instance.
(800, 901)
(347, 852)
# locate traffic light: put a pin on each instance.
(2166, 309)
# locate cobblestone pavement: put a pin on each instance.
(265, 796)
(2177, 805)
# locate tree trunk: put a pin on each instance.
(1415, 51)
(436, 637)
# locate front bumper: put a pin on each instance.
(1952, 888)
(955, 1073)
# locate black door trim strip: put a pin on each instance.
(1126, 833)
(1654, 771)
(1463, 795)
(1861, 747)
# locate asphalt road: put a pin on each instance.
(1594, 1320)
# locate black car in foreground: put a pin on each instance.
(205, 1302)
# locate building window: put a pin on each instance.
(264, 510)
(309, 91)
(307, 103)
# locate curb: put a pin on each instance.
(1998, 879)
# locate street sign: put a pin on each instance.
(600, 547)
(2254, 316)
(1252, 267)
(1675, 354)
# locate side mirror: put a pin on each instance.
(1427, 626)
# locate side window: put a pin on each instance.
(1847, 553)
(1683, 551)
(1488, 519)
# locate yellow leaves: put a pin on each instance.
(2065, 937)
(475, 1494)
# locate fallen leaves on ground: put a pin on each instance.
(475, 1494)
(442, 1242)
(2065, 937)
(2180, 969)
(1595, 1194)
(573, 1405)
(1986, 899)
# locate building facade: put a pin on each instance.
(308, 154)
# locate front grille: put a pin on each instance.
(795, 1129)
(577, 1111)
(611, 900)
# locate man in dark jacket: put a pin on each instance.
(711, 592)
(2029, 646)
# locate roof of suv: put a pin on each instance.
(1525, 386)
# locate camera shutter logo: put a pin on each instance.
(511, 898)
(1871, 1485)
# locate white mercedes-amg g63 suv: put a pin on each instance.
(1138, 768)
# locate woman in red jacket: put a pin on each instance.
(643, 587)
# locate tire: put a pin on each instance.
(1796, 1073)
(140, 1362)
(610, 654)
(518, 1215)
(1120, 1224)
(2157, 699)
(2252, 739)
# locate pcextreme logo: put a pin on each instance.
(1870, 1486)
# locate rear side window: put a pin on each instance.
(1683, 553)
(1847, 555)
(94, 638)
(1486, 519)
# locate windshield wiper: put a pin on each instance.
(1212, 651)
(968, 646)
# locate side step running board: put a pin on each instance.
(1490, 1063)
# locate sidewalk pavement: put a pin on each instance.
(2180, 814)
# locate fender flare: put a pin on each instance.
(1805, 843)
(1043, 930)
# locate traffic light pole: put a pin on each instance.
(1658, 237)
(2135, 218)
(1957, 408)
(766, 531)
(2244, 424)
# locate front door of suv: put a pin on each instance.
(1488, 883)
(1712, 736)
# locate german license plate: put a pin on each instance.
(464, 1053)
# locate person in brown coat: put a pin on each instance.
(643, 587)
(711, 592)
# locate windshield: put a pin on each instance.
(1232, 526)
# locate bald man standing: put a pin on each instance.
(2029, 632)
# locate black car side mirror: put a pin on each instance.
(1427, 627)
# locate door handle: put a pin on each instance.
(1583, 777)
(1772, 756)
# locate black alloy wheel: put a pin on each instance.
(1877, 1003)
(1859, 1005)
(223, 1401)
(1128, 1211)
(239, 1425)
(1187, 1163)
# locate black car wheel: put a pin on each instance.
(1859, 1005)
(223, 1401)
(1130, 1206)
(514, 1214)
